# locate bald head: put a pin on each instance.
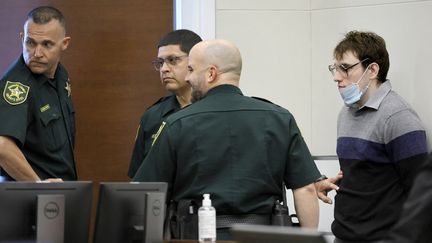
(222, 54)
(213, 63)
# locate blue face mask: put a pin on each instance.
(352, 93)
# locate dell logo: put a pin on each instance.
(157, 207)
(51, 210)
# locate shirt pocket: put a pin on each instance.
(54, 135)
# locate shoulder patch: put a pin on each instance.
(15, 93)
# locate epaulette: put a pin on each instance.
(265, 100)
(262, 99)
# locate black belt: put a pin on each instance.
(226, 221)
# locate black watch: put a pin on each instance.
(322, 177)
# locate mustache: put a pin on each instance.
(33, 60)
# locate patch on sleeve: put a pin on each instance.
(15, 93)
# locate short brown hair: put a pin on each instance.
(44, 14)
(365, 45)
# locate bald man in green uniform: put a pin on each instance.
(238, 149)
(171, 62)
(37, 128)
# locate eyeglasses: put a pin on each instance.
(170, 60)
(343, 68)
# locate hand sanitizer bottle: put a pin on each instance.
(206, 221)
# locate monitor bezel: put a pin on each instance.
(109, 224)
(18, 207)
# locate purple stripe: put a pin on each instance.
(361, 149)
(407, 145)
(402, 147)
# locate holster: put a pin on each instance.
(183, 219)
(281, 216)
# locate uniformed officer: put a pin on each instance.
(171, 63)
(238, 149)
(37, 127)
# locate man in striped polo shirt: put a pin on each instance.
(380, 142)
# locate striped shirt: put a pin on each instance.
(379, 146)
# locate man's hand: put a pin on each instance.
(52, 180)
(324, 186)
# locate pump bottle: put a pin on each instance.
(206, 221)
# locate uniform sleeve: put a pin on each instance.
(301, 169)
(13, 118)
(159, 165)
(139, 149)
(149, 124)
(406, 144)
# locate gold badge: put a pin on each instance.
(15, 93)
(68, 88)
(45, 108)
(158, 132)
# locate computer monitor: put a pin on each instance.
(244, 233)
(130, 212)
(45, 212)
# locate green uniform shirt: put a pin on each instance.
(38, 114)
(149, 124)
(236, 148)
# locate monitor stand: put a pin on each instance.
(50, 218)
(154, 217)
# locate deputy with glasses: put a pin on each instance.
(171, 62)
(380, 142)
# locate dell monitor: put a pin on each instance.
(57, 212)
(130, 212)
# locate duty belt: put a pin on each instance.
(226, 221)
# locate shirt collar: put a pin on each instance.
(224, 88)
(376, 99)
(172, 107)
(60, 74)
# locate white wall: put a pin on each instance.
(196, 15)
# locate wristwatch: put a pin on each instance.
(322, 177)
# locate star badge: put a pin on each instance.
(68, 89)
